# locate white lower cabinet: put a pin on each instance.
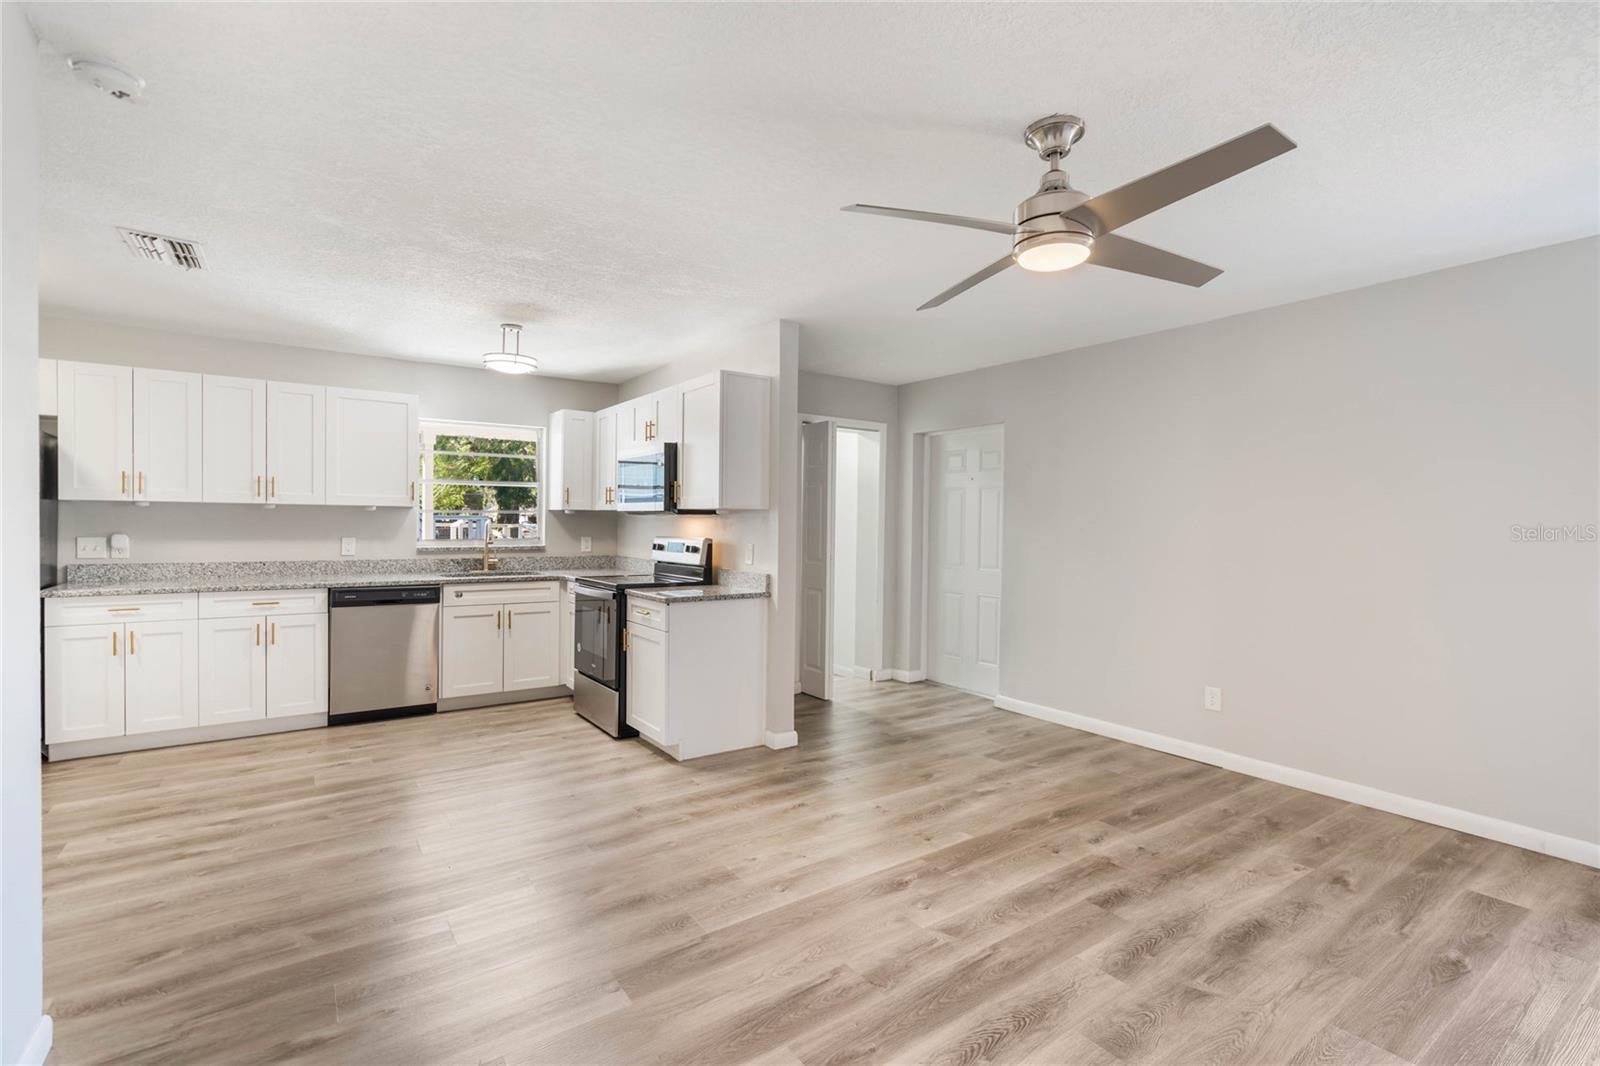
(83, 693)
(160, 675)
(696, 675)
(532, 646)
(500, 638)
(233, 670)
(471, 657)
(168, 669)
(569, 607)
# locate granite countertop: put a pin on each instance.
(179, 584)
(698, 594)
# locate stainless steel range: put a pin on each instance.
(599, 689)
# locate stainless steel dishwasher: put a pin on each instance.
(383, 652)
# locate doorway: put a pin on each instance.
(966, 509)
(843, 487)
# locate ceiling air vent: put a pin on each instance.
(158, 249)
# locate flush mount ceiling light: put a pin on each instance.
(1059, 227)
(106, 76)
(509, 359)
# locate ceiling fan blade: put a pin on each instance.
(1120, 253)
(933, 216)
(1120, 206)
(962, 286)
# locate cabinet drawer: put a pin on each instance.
(98, 610)
(257, 604)
(647, 613)
(470, 595)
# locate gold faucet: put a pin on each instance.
(488, 563)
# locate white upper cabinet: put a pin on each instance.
(235, 440)
(606, 435)
(372, 448)
(569, 462)
(665, 426)
(724, 435)
(167, 447)
(95, 431)
(296, 441)
(649, 419)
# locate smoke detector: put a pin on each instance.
(155, 248)
(114, 81)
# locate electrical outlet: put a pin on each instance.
(347, 545)
(749, 554)
(1213, 698)
(121, 547)
(585, 544)
(92, 548)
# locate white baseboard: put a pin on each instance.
(38, 1046)
(782, 740)
(908, 676)
(1513, 833)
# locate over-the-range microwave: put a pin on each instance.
(647, 479)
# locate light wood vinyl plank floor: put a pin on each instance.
(925, 879)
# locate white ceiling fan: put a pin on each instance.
(1060, 227)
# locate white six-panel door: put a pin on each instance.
(532, 657)
(233, 670)
(965, 513)
(167, 439)
(235, 440)
(816, 559)
(296, 437)
(161, 674)
(95, 431)
(84, 699)
(297, 665)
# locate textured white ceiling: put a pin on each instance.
(399, 178)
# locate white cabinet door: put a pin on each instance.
(568, 617)
(469, 656)
(162, 674)
(668, 414)
(647, 683)
(95, 431)
(605, 459)
(83, 693)
(167, 441)
(235, 440)
(371, 448)
(570, 461)
(232, 670)
(700, 444)
(297, 665)
(296, 439)
(532, 646)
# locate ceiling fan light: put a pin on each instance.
(1052, 251)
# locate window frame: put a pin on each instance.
(429, 429)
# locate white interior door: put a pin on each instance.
(816, 559)
(965, 510)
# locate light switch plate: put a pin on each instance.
(92, 548)
(749, 554)
(585, 544)
(1213, 698)
(347, 546)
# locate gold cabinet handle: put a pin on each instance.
(123, 491)
(140, 481)
(258, 634)
(263, 603)
(124, 610)
(258, 484)
(130, 641)
(113, 645)
(497, 619)
(509, 616)
(272, 630)
(272, 486)
(566, 495)
(677, 491)
(413, 492)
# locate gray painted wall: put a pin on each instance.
(210, 532)
(1312, 507)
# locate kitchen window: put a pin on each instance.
(477, 479)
